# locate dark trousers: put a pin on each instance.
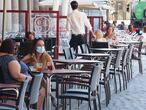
(77, 40)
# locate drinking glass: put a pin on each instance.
(39, 67)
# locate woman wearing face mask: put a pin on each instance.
(39, 55)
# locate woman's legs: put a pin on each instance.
(41, 98)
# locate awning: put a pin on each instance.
(106, 7)
(86, 4)
(89, 5)
(47, 3)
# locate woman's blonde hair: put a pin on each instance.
(99, 34)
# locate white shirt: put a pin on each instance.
(76, 22)
(144, 37)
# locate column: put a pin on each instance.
(64, 7)
(1, 15)
(63, 34)
(35, 5)
(107, 14)
(15, 16)
(55, 5)
(9, 17)
(42, 7)
(22, 6)
(30, 5)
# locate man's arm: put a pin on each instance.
(88, 25)
(93, 34)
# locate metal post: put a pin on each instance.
(4, 18)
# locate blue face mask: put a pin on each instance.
(40, 49)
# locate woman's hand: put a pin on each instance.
(50, 66)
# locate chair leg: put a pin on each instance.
(64, 104)
(90, 105)
(95, 104)
(99, 104)
(131, 69)
(57, 104)
(126, 77)
(115, 81)
(100, 91)
(109, 89)
(107, 86)
(69, 104)
(106, 93)
(140, 66)
(128, 72)
(119, 81)
(123, 77)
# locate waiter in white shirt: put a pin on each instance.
(76, 23)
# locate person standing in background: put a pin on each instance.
(76, 23)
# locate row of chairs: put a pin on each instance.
(117, 64)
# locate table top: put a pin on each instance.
(93, 54)
(107, 49)
(76, 61)
(61, 72)
(5, 86)
(120, 45)
(65, 72)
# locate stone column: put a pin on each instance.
(15, 16)
(64, 7)
(9, 17)
(22, 6)
(35, 5)
(55, 5)
(30, 5)
(1, 15)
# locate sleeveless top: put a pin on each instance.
(4, 61)
(24, 68)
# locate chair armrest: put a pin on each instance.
(77, 80)
(74, 83)
(8, 105)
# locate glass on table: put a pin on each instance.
(39, 67)
(32, 68)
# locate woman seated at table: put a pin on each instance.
(12, 69)
(110, 36)
(99, 36)
(9, 64)
(39, 55)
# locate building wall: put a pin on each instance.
(121, 12)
